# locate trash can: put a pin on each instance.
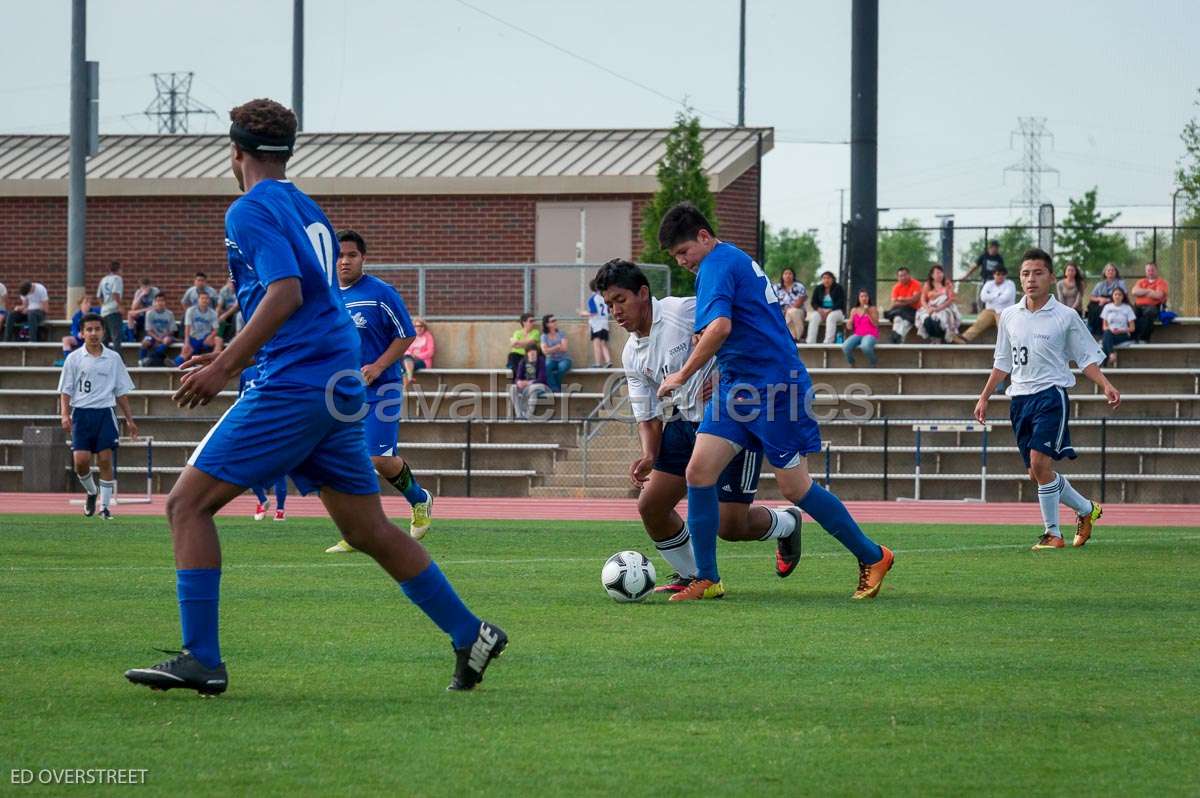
(45, 460)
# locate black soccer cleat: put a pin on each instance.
(89, 505)
(105, 514)
(787, 550)
(182, 670)
(474, 659)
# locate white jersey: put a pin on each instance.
(1035, 347)
(664, 351)
(109, 293)
(94, 380)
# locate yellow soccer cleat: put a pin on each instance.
(700, 589)
(422, 517)
(870, 577)
(1083, 524)
(341, 547)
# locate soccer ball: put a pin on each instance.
(628, 576)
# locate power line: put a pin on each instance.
(590, 62)
(1031, 129)
(173, 103)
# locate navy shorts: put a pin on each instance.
(93, 429)
(737, 483)
(601, 334)
(777, 424)
(1040, 421)
(289, 429)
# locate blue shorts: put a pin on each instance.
(198, 346)
(738, 482)
(778, 425)
(1040, 421)
(382, 428)
(288, 429)
(93, 429)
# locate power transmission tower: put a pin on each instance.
(1031, 129)
(173, 102)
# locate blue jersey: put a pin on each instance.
(381, 317)
(274, 232)
(759, 350)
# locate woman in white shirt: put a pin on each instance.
(1118, 319)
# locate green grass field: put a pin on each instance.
(982, 668)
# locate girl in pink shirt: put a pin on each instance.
(863, 325)
(420, 351)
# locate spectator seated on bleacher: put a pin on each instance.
(1102, 295)
(160, 333)
(528, 333)
(143, 301)
(994, 297)
(938, 319)
(199, 329)
(863, 326)
(1072, 288)
(227, 311)
(30, 312)
(199, 286)
(1149, 301)
(529, 379)
(74, 340)
(906, 301)
(554, 347)
(792, 296)
(828, 309)
(420, 352)
(1118, 320)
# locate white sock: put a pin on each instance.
(782, 524)
(107, 486)
(1048, 496)
(678, 552)
(1073, 498)
(89, 483)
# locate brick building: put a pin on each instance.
(157, 204)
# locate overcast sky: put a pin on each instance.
(1115, 80)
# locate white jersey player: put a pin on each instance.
(660, 341)
(1035, 341)
(93, 383)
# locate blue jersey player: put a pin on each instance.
(301, 416)
(385, 330)
(760, 401)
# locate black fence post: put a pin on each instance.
(885, 459)
(827, 480)
(1103, 459)
(467, 458)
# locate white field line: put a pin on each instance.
(364, 561)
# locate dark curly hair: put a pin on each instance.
(266, 118)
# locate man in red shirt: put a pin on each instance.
(1149, 299)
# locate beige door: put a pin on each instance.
(569, 232)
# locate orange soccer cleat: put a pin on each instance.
(700, 589)
(870, 577)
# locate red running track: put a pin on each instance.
(567, 509)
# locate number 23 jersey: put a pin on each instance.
(1035, 347)
(274, 232)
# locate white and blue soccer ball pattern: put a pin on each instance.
(628, 576)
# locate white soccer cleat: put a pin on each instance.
(341, 547)
(422, 517)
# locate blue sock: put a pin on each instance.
(828, 511)
(407, 484)
(260, 494)
(199, 591)
(704, 518)
(415, 493)
(280, 493)
(431, 591)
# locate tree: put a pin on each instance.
(680, 177)
(789, 249)
(1013, 243)
(1079, 237)
(905, 245)
(1188, 175)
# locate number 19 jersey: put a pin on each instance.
(274, 232)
